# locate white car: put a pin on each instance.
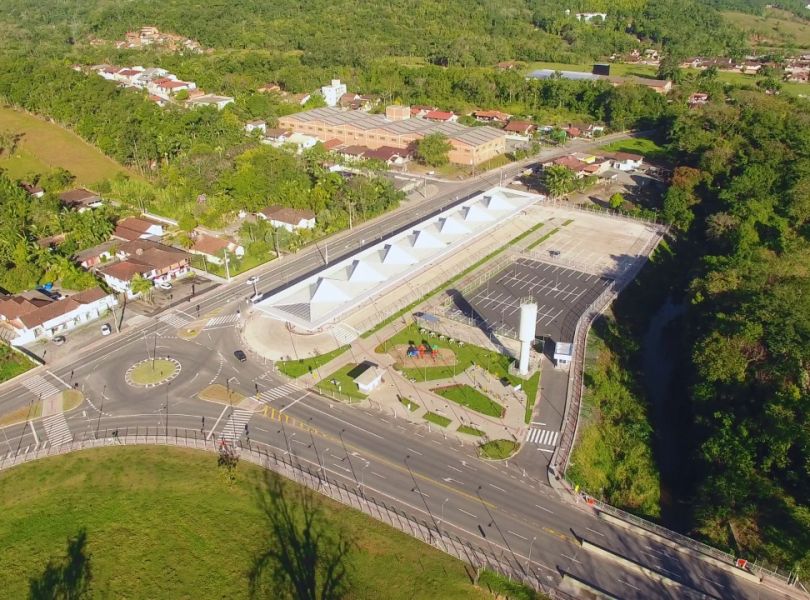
(164, 285)
(106, 329)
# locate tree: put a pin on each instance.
(187, 222)
(558, 180)
(616, 201)
(140, 285)
(433, 150)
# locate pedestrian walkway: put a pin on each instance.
(344, 333)
(542, 437)
(57, 430)
(268, 396)
(174, 320)
(235, 425)
(40, 386)
(222, 320)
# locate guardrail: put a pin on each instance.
(313, 477)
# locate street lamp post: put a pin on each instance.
(443, 503)
(167, 408)
(528, 565)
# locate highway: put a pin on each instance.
(509, 512)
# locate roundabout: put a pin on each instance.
(152, 372)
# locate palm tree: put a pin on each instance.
(558, 180)
(140, 285)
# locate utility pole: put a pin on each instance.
(227, 268)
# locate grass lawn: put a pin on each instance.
(530, 386)
(436, 419)
(775, 28)
(220, 394)
(470, 430)
(498, 449)
(302, 366)
(450, 281)
(237, 266)
(536, 243)
(12, 363)
(468, 396)
(408, 403)
(149, 372)
(23, 413)
(344, 383)
(166, 523)
(45, 146)
(643, 146)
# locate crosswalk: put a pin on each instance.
(235, 426)
(542, 437)
(40, 386)
(276, 393)
(344, 333)
(222, 320)
(174, 320)
(57, 430)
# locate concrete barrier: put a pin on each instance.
(684, 590)
(734, 570)
(576, 584)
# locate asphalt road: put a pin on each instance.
(500, 506)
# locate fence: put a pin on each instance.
(588, 208)
(429, 531)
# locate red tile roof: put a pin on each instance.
(79, 196)
(126, 269)
(206, 244)
(332, 144)
(439, 115)
(523, 127)
(287, 215)
(61, 307)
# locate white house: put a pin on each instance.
(369, 379)
(332, 93)
(624, 161)
(288, 218)
(218, 102)
(563, 353)
(302, 141)
(256, 125)
(27, 319)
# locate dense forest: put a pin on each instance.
(342, 32)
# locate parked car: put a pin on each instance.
(106, 329)
(59, 340)
(164, 285)
(240, 356)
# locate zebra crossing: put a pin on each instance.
(175, 320)
(40, 386)
(268, 396)
(344, 334)
(57, 430)
(542, 437)
(235, 425)
(222, 320)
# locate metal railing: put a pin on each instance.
(313, 477)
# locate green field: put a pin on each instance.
(12, 363)
(777, 28)
(45, 146)
(344, 383)
(498, 449)
(302, 366)
(165, 523)
(643, 146)
(436, 419)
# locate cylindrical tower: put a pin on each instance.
(528, 320)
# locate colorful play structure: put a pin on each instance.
(422, 350)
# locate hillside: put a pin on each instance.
(774, 29)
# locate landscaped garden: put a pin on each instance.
(436, 419)
(152, 372)
(471, 398)
(12, 363)
(341, 383)
(302, 366)
(498, 449)
(131, 522)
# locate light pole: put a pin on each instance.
(443, 503)
(255, 289)
(167, 408)
(528, 565)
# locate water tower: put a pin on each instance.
(526, 332)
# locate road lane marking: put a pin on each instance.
(378, 475)
(326, 414)
(571, 558)
(627, 583)
(34, 431)
(544, 508)
(455, 469)
(414, 451)
(596, 532)
(294, 402)
(211, 432)
(497, 488)
(517, 535)
(469, 514)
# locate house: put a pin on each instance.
(215, 249)
(388, 154)
(524, 128)
(302, 141)
(148, 259)
(590, 16)
(697, 99)
(299, 99)
(256, 125)
(168, 86)
(570, 162)
(624, 161)
(24, 320)
(218, 102)
(491, 116)
(149, 75)
(421, 111)
(354, 152)
(97, 255)
(441, 116)
(80, 199)
(369, 379)
(332, 93)
(32, 190)
(288, 218)
(134, 228)
(276, 135)
(52, 241)
(573, 132)
(332, 144)
(127, 76)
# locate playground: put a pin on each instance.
(423, 354)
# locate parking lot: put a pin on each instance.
(561, 294)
